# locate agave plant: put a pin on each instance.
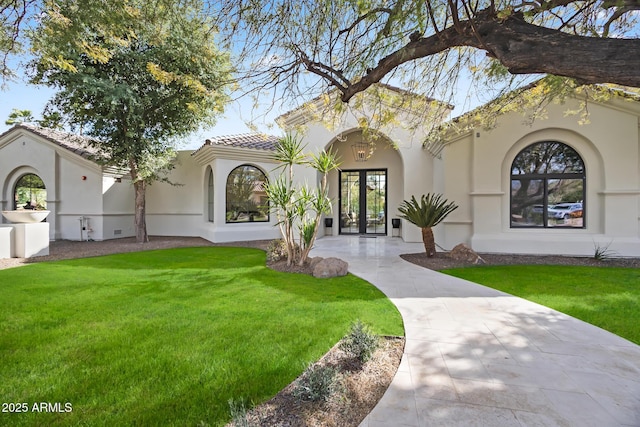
(426, 214)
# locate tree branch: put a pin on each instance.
(523, 48)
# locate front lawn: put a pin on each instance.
(607, 297)
(167, 337)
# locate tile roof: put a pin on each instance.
(77, 144)
(255, 141)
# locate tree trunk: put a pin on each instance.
(140, 213)
(429, 241)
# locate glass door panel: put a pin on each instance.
(376, 221)
(363, 197)
(349, 202)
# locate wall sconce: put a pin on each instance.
(361, 151)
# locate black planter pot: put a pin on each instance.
(328, 222)
(395, 222)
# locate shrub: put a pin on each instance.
(603, 253)
(317, 383)
(238, 411)
(360, 342)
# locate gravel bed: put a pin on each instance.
(442, 260)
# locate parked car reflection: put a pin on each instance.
(565, 210)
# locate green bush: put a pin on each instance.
(317, 383)
(360, 342)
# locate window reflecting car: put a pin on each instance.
(565, 210)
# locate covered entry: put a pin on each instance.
(363, 201)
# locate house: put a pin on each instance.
(553, 186)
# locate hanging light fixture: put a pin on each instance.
(361, 151)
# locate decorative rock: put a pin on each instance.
(329, 267)
(314, 261)
(463, 252)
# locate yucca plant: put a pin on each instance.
(426, 214)
(299, 206)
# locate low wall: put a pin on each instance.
(24, 240)
(6, 241)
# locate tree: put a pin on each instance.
(19, 116)
(51, 120)
(135, 94)
(426, 214)
(426, 45)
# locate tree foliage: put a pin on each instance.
(19, 116)
(307, 46)
(135, 85)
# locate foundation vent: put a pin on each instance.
(117, 232)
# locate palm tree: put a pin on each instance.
(431, 210)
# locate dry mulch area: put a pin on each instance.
(442, 260)
(361, 386)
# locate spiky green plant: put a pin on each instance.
(426, 214)
(301, 207)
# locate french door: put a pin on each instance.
(363, 201)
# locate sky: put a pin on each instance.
(29, 97)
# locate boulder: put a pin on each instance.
(314, 261)
(464, 253)
(329, 267)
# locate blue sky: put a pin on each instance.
(29, 97)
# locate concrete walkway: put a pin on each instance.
(478, 357)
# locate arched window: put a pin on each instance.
(548, 187)
(246, 198)
(210, 196)
(30, 193)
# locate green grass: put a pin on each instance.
(607, 297)
(168, 337)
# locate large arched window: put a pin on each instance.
(30, 193)
(210, 195)
(548, 187)
(246, 198)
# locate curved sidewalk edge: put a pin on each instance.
(477, 356)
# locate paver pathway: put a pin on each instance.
(475, 356)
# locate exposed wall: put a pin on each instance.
(410, 167)
(118, 202)
(477, 176)
(384, 156)
(177, 210)
(68, 195)
(219, 230)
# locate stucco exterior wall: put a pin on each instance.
(68, 195)
(410, 167)
(477, 170)
(118, 207)
(177, 210)
(219, 230)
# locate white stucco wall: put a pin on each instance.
(410, 167)
(222, 162)
(118, 201)
(176, 210)
(68, 195)
(477, 176)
